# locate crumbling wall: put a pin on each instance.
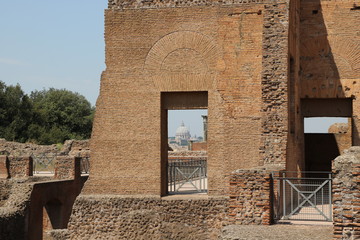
(16, 196)
(67, 167)
(76, 148)
(25, 149)
(274, 84)
(20, 167)
(330, 53)
(125, 217)
(70, 147)
(248, 201)
(250, 197)
(346, 194)
(188, 154)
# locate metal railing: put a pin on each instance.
(85, 165)
(44, 163)
(187, 175)
(303, 196)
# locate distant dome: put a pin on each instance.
(182, 133)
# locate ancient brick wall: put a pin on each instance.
(330, 53)
(4, 167)
(343, 135)
(346, 194)
(295, 142)
(67, 167)
(250, 197)
(275, 84)
(236, 53)
(188, 154)
(199, 146)
(20, 167)
(248, 201)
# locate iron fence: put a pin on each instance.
(85, 165)
(187, 175)
(44, 162)
(302, 196)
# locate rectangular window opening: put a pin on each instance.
(187, 151)
(184, 121)
(325, 139)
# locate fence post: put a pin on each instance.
(4, 166)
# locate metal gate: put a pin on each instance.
(187, 176)
(306, 198)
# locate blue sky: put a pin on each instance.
(60, 44)
(46, 43)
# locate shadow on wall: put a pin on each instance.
(327, 68)
(319, 75)
(320, 150)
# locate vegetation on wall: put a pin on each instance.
(44, 117)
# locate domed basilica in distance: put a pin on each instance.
(182, 135)
(182, 138)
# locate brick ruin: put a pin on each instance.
(346, 194)
(259, 67)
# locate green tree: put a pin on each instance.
(46, 117)
(60, 115)
(15, 113)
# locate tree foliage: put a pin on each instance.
(45, 117)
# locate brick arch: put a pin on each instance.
(178, 48)
(347, 51)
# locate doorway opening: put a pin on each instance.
(327, 131)
(184, 142)
(325, 138)
(51, 217)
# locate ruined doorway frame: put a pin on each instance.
(326, 107)
(175, 101)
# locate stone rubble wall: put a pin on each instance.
(188, 154)
(67, 167)
(70, 147)
(124, 217)
(20, 167)
(132, 4)
(25, 149)
(4, 166)
(274, 83)
(346, 194)
(172, 217)
(76, 148)
(14, 200)
(250, 197)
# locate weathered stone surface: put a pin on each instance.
(276, 232)
(14, 200)
(346, 193)
(71, 147)
(67, 167)
(126, 217)
(20, 167)
(250, 197)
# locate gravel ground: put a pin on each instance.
(278, 232)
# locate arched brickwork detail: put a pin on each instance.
(347, 53)
(184, 61)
